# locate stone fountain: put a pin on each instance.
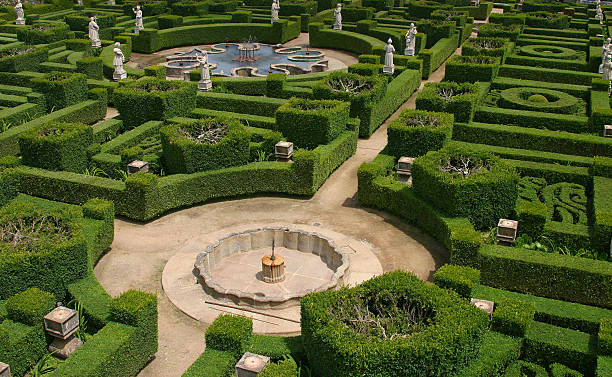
(273, 267)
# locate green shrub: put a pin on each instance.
(512, 316)
(360, 91)
(153, 99)
(416, 132)
(336, 348)
(9, 185)
(285, 368)
(604, 366)
(605, 337)
(80, 21)
(91, 66)
(487, 193)
(496, 352)
(460, 279)
(22, 58)
(546, 344)
(61, 89)
(30, 306)
(41, 33)
(21, 346)
(536, 99)
(230, 333)
(204, 144)
(57, 146)
(57, 257)
(559, 370)
(486, 46)
(522, 368)
(157, 71)
(471, 68)
(212, 363)
(547, 20)
(93, 299)
(79, 45)
(310, 123)
(531, 217)
(510, 32)
(450, 97)
(169, 21)
(277, 348)
(190, 8)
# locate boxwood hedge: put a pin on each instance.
(512, 316)
(416, 132)
(30, 306)
(61, 89)
(450, 97)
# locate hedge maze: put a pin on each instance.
(514, 130)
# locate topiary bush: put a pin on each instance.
(485, 46)
(392, 325)
(450, 97)
(91, 66)
(461, 279)
(512, 316)
(204, 144)
(547, 100)
(310, 123)
(522, 368)
(467, 183)
(57, 146)
(61, 89)
(416, 132)
(30, 306)
(153, 99)
(285, 368)
(471, 68)
(22, 58)
(230, 333)
(42, 33)
(605, 337)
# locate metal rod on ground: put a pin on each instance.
(251, 311)
(255, 319)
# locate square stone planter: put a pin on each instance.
(5, 370)
(484, 305)
(283, 150)
(506, 231)
(251, 365)
(404, 165)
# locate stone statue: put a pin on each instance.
(205, 82)
(604, 52)
(93, 33)
(111, 2)
(607, 68)
(338, 15)
(80, 2)
(275, 10)
(139, 25)
(20, 16)
(118, 60)
(410, 40)
(389, 67)
(599, 13)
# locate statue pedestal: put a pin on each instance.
(119, 75)
(205, 85)
(389, 70)
(409, 52)
(96, 44)
(20, 21)
(337, 26)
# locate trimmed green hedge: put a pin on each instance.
(61, 89)
(212, 363)
(21, 346)
(496, 352)
(512, 316)
(30, 306)
(152, 99)
(334, 349)
(559, 370)
(522, 368)
(230, 333)
(521, 98)
(471, 68)
(482, 196)
(450, 97)
(184, 154)
(285, 368)
(57, 146)
(605, 337)
(460, 279)
(42, 33)
(310, 123)
(416, 132)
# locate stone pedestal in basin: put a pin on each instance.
(273, 268)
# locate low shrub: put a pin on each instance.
(310, 123)
(9, 185)
(157, 71)
(190, 8)
(230, 333)
(485, 46)
(471, 68)
(496, 352)
(551, 101)
(450, 97)
(445, 337)
(559, 370)
(22, 58)
(416, 132)
(460, 279)
(285, 368)
(152, 99)
(204, 144)
(467, 183)
(523, 368)
(91, 66)
(57, 146)
(61, 89)
(21, 346)
(30, 306)
(510, 32)
(605, 337)
(42, 33)
(512, 316)
(169, 21)
(212, 363)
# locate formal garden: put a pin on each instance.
(375, 188)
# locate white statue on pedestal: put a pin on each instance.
(410, 40)
(275, 10)
(205, 82)
(607, 68)
(389, 67)
(138, 13)
(111, 2)
(118, 60)
(79, 2)
(604, 52)
(93, 33)
(338, 15)
(20, 16)
(599, 13)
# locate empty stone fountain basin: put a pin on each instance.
(230, 269)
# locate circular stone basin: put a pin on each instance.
(230, 269)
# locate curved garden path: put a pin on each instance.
(140, 251)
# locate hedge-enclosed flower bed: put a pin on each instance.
(416, 132)
(537, 99)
